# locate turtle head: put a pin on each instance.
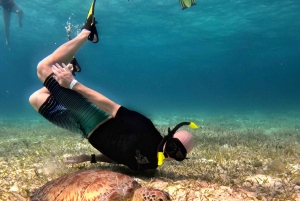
(148, 194)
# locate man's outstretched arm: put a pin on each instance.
(64, 77)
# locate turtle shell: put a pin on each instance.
(88, 185)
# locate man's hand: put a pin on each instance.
(63, 74)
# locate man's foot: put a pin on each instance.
(90, 24)
(78, 159)
(7, 41)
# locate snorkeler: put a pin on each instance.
(8, 7)
(121, 135)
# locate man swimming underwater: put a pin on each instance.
(120, 135)
(8, 7)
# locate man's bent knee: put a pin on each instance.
(43, 70)
(33, 100)
(38, 98)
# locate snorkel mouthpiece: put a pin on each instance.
(160, 154)
(161, 158)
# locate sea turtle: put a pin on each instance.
(96, 185)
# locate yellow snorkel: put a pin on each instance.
(160, 153)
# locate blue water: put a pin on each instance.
(217, 56)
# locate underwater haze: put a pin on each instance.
(218, 56)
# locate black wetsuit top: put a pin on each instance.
(130, 139)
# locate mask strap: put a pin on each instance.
(160, 154)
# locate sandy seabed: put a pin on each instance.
(237, 157)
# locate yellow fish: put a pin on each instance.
(187, 3)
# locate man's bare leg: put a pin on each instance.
(6, 17)
(87, 158)
(38, 98)
(63, 54)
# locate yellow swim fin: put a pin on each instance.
(187, 3)
(90, 24)
(91, 12)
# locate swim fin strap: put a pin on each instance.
(76, 66)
